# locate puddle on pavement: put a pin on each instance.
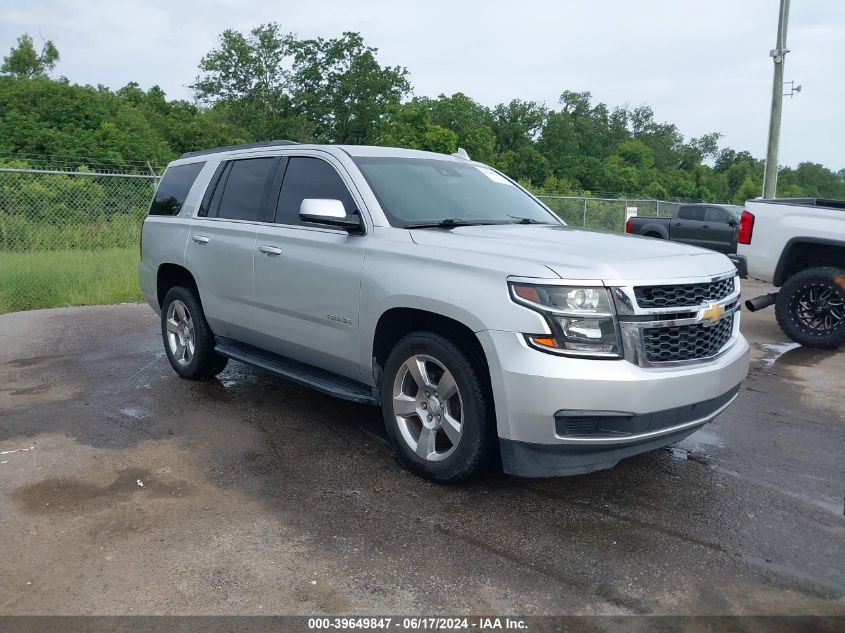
(73, 495)
(138, 414)
(775, 351)
(28, 362)
(682, 454)
(790, 354)
(30, 391)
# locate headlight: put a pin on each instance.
(581, 319)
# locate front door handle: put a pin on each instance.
(705, 226)
(200, 239)
(271, 251)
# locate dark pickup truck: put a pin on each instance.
(713, 226)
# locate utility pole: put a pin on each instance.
(770, 177)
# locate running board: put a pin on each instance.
(295, 371)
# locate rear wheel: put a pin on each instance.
(188, 341)
(436, 409)
(810, 307)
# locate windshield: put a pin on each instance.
(733, 210)
(420, 191)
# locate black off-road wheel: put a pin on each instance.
(436, 408)
(810, 307)
(188, 341)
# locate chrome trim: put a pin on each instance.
(663, 281)
(633, 346)
(626, 300)
(671, 281)
(632, 439)
(626, 305)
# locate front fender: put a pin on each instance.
(473, 295)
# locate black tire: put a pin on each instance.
(810, 307)
(655, 235)
(475, 449)
(205, 362)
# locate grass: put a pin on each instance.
(31, 280)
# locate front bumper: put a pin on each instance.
(632, 409)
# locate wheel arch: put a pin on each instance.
(654, 230)
(170, 275)
(397, 322)
(801, 253)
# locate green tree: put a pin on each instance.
(469, 120)
(517, 124)
(340, 87)
(248, 77)
(409, 125)
(24, 61)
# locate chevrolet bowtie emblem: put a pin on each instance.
(712, 314)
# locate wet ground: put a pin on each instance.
(124, 490)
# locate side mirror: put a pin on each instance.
(733, 223)
(330, 213)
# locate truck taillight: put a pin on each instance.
(628, 225)
(746, 227)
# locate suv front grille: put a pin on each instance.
(683, 295)
(686, 342)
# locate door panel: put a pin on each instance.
(222, 243)
(306, 296)
(219, 254)
(722, 236)
(687, 224)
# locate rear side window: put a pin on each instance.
(716, 215)
(309, 178)
(173, 189)
(244, 195)
(691, 213)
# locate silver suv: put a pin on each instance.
(439, 289)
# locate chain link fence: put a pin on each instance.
(71, 237)
(604, 214)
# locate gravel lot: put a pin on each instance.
(143, 494)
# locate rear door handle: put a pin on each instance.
(705, 226)
(200, 239)
(679, 223)
(271, 251)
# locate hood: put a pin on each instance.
(574, 253)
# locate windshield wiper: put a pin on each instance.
(447, 223)
(519, 220)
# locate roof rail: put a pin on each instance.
(228, 148)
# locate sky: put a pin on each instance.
(701, 64)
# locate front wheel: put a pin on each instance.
(436, 408)
(810, 307)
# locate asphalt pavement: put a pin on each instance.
(125, 490)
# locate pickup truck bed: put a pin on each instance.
(799, 246)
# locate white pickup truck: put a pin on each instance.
(798, 245)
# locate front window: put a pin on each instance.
(420, 191)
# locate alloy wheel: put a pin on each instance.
(427, 407)
(180, 332)
(818, 308)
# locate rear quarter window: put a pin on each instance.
(173, 188)
(691, 213)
